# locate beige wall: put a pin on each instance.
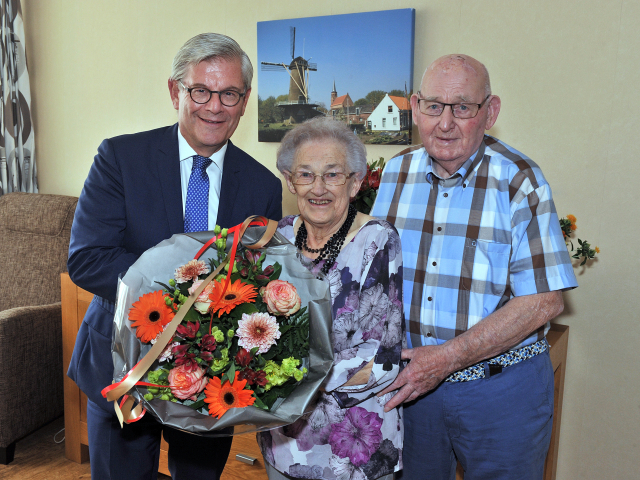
(568, 74)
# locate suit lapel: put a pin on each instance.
(230, 186)
(168, 164)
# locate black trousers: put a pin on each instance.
(133, 452)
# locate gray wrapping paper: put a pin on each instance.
(158, 264)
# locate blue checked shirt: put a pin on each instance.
(473, 241)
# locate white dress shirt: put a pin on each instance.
(214, 171)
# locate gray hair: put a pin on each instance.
(323, 128)
(210, 46)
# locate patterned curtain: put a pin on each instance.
(17, 157)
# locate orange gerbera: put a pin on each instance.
(222, 397)
(149, 314)
(237, 293)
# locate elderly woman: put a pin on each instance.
(348, 435)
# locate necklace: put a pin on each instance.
(329, 252)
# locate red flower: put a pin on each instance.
(189, 330)
(374, 179)
(206, 356)
(252, 377)
(189, 362)
(268, 271)
(180, 350)
(243, 357)
(208, 343)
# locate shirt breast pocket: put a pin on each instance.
(485, 267)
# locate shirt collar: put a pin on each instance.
(186, 152)
(465, 169)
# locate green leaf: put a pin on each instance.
(192, 316)
(231, 373)
(197, 405)
(237, 312)
(260, 404)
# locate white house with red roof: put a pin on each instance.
(391, 114)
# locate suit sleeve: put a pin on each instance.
(96, 252)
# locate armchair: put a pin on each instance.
(34, 245)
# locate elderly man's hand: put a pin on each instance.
(428, 366)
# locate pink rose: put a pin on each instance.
(281, 298)
(203, 301)
(187, 384)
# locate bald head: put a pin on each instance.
(453, 83)
(455, 63)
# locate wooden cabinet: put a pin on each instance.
(75, 302)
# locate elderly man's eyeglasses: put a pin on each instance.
(459, 110)
(334, 179)
(201, 95)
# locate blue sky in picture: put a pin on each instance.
(360, 51)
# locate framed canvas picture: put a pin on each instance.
(356, 68)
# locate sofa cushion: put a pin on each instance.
(37, 213)
(34, 246)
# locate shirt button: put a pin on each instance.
(434, 264)
(429, 334)
(439, 229)
(429, 298)
(464, 185)
(445, 194)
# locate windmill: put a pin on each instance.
(297, 108)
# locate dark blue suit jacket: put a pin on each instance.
(131, 201)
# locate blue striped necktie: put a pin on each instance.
(196, 210)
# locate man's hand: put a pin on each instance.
(428, 366)
(492, 336)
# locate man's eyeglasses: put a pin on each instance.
(334, 179)
(459, 110)
(201, 95)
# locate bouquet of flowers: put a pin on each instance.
(366, 196)
(584, 251)
(241, 325)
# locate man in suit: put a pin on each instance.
(142, 189)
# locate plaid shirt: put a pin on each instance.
(473, 241)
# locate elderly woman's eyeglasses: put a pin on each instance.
(201, 95)
(459, 110)
(334, 179)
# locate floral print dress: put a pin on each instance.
(348, 436)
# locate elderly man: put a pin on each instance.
(484, 268)
(142, 189)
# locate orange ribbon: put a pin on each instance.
(127, 411)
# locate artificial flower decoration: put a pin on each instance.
(191, 271)
(149, 315)
(223, 396)
(257, 330)
(584, 251)
(237, 293)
